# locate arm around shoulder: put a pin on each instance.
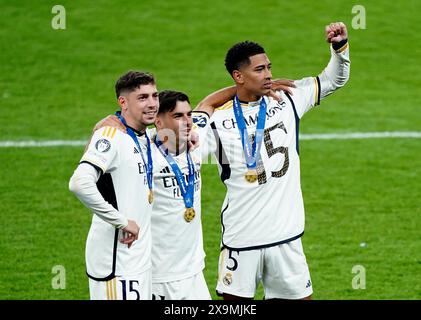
(215, 100)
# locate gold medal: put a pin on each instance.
(189, 214)
(150, 196)
(251, 176)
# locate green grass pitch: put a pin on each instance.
(56, 84)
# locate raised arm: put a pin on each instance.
(310, 90)
(336, 74)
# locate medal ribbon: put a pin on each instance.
(148, 165)
(187, 189)
(251, 153)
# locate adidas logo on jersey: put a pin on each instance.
(308, 284)
(165, 170)
(135, 150)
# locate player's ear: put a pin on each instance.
(122, 101)
(238, 76)
(158, 122)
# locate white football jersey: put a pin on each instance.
(124, 185)
(269, 211)
(177, 245)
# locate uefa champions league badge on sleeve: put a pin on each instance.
(200, 121)
(103, 145)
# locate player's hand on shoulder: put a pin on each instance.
(336, 32)
(110, 121)
(283, 85)
(130, 233)
(193, 142)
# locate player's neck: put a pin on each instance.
(174, 146)
(246, 96)
(132, 123)
(176, 149)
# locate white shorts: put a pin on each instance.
(193, 288)
(282, 269)
(123, 288)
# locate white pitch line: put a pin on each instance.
(42, 143)
(320, 136)
(361, 135)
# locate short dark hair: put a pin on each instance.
(168, 100)
(240, 53)
(132, 80)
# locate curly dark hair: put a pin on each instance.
(240, 53)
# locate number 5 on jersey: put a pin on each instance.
(271, 151)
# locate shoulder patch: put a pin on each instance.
(103, 145)
(200, 121)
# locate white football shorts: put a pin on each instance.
(282, 269)
(193, 288)
(138, 287)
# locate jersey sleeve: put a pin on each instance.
(306, 94)
(201, 126)
(310, 90)
(200, 123)
(83, 185)
(102, 150)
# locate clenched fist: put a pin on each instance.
(336, 32)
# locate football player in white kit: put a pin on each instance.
(113, 180)
(263, 213)
(178, 258)
(177, 241)
(177, 244)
